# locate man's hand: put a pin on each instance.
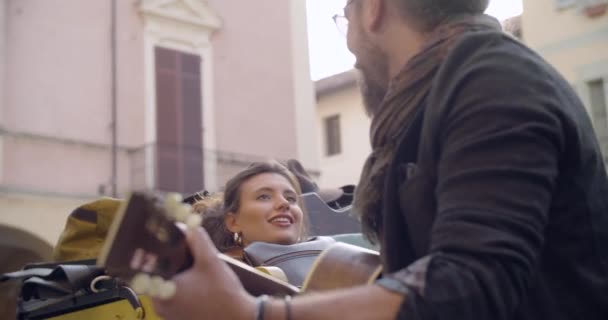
(209, 289)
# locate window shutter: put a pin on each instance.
(332, 135)
(179, 148)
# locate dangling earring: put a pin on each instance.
(238, 238)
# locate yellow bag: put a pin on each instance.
(86, 230)
(116, 310)
(82, 238)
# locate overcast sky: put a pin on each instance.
(328, 53)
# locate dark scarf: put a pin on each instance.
(404, 97)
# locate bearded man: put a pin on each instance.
(485, 188)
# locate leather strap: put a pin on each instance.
(53, 280)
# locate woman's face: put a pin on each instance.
(269, 211)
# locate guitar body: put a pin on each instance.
(342, 266)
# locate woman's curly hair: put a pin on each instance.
(211, 208)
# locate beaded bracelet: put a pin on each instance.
(287, 307)
(260, 306)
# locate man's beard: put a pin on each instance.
(372, 94)
(373, 82)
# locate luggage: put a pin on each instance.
(74, 287)
(75, 290)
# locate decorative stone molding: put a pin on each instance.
(186, 26)
(192, 12)
(190, 22)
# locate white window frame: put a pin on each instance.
(340, 148)
(185, 26)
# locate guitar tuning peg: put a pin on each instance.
(194, 221)
(174, 197)
(175, 208)
(167, 290)
(161, 288)
(141, 283)
(172, 202)
(156, 284)
(182, 212)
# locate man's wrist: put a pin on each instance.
(271, 309)
(260, 307)
(247, 308)
(393, 285)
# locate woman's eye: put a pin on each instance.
(292, 199)
(263, 197)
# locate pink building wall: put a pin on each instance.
(254, 79)
(58, 92)
(56, 100)
(60, 69)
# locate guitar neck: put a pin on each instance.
(143, 239)
(257, 282)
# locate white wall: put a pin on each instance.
(40, 215)
(344, 168)
(304, 98)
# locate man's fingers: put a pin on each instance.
(159, 307)
(202, 248)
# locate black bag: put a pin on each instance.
(294, 260)
(53, 289)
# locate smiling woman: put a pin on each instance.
(259, 204)
(267, 211)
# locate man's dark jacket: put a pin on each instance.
(496, 205)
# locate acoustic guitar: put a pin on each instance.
(146, 246)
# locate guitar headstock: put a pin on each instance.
(146, 242)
